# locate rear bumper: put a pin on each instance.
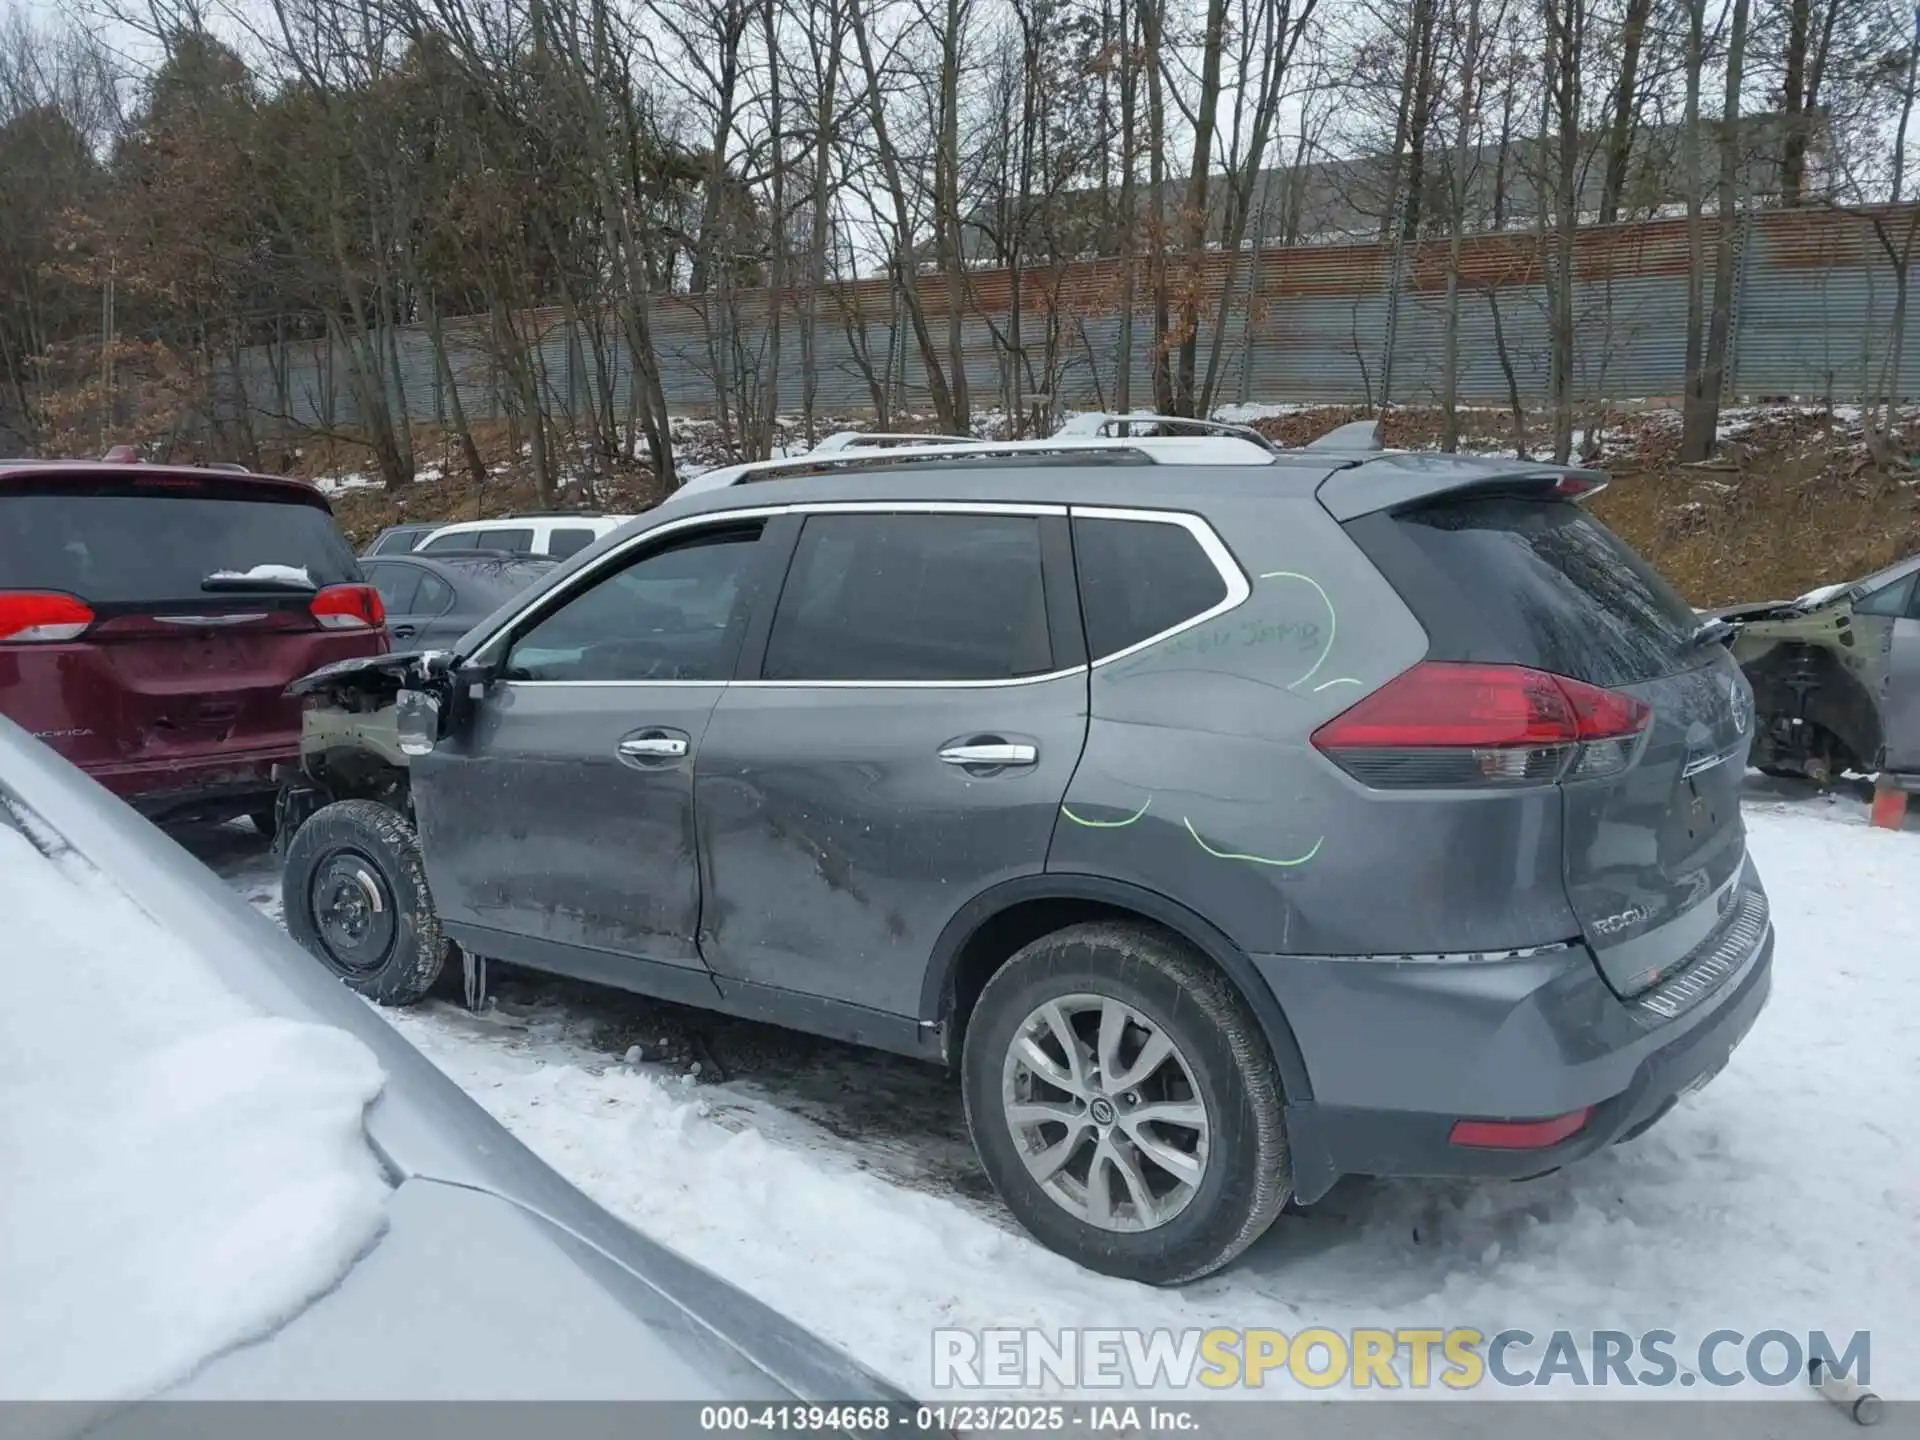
(231, 781)
(1397, 1053)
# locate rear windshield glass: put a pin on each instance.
(128, 548)
(1531, 582)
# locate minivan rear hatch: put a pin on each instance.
(1654, 850)
(173, 606)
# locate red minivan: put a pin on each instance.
(152, 618)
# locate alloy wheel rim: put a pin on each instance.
(1104, 1112)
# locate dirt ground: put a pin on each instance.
(1791, 502)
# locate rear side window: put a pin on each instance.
(1518, 581)
(1139, 579)
(912, 597)
(397, 584)
(435, 596)
(562, 543)
(120, 546)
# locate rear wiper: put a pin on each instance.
(1711, 631)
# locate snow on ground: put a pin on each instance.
(333, 485)
(1246, 414)
(181, 1172)
(835, 1184)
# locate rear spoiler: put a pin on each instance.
(1394, 480)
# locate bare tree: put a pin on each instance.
(903, 218)
(1465, 127)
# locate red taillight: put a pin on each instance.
(1518, 1134)
(34, 616)
(349, 607)
(1444, 723)
(1576, 486)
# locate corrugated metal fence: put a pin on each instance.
(1813, 305)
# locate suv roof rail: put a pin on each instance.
(886, 440)
(228, 467)
(1071, 449)
(1117, 425)
(1361, 435)
(519, 515)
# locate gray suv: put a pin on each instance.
(1231, 820)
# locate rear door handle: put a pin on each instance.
(656, 746)
(995, 753)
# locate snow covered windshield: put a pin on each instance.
(182, 1172)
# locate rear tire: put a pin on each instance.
(355, 891)
(1147, 1198)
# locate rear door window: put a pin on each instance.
(399, 542)
(1514, 580)
(129, 544)
(518, 542)
(912, 597)
(570, 541)
(1139, 579)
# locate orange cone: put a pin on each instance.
(1889, 808)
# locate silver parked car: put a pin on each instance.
(493, 1276)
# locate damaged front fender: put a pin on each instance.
(376, 677)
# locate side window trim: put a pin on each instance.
(1215, 549)
(778, 541)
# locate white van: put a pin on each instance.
(555, 535)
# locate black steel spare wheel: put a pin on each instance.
(353, 911)
(357, 900)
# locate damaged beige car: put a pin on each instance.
(1836, 677)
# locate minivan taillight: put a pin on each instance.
(1444, 724)
(349, 607)
(35, 616)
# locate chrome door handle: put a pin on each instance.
(995, 754)
(654, 747)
